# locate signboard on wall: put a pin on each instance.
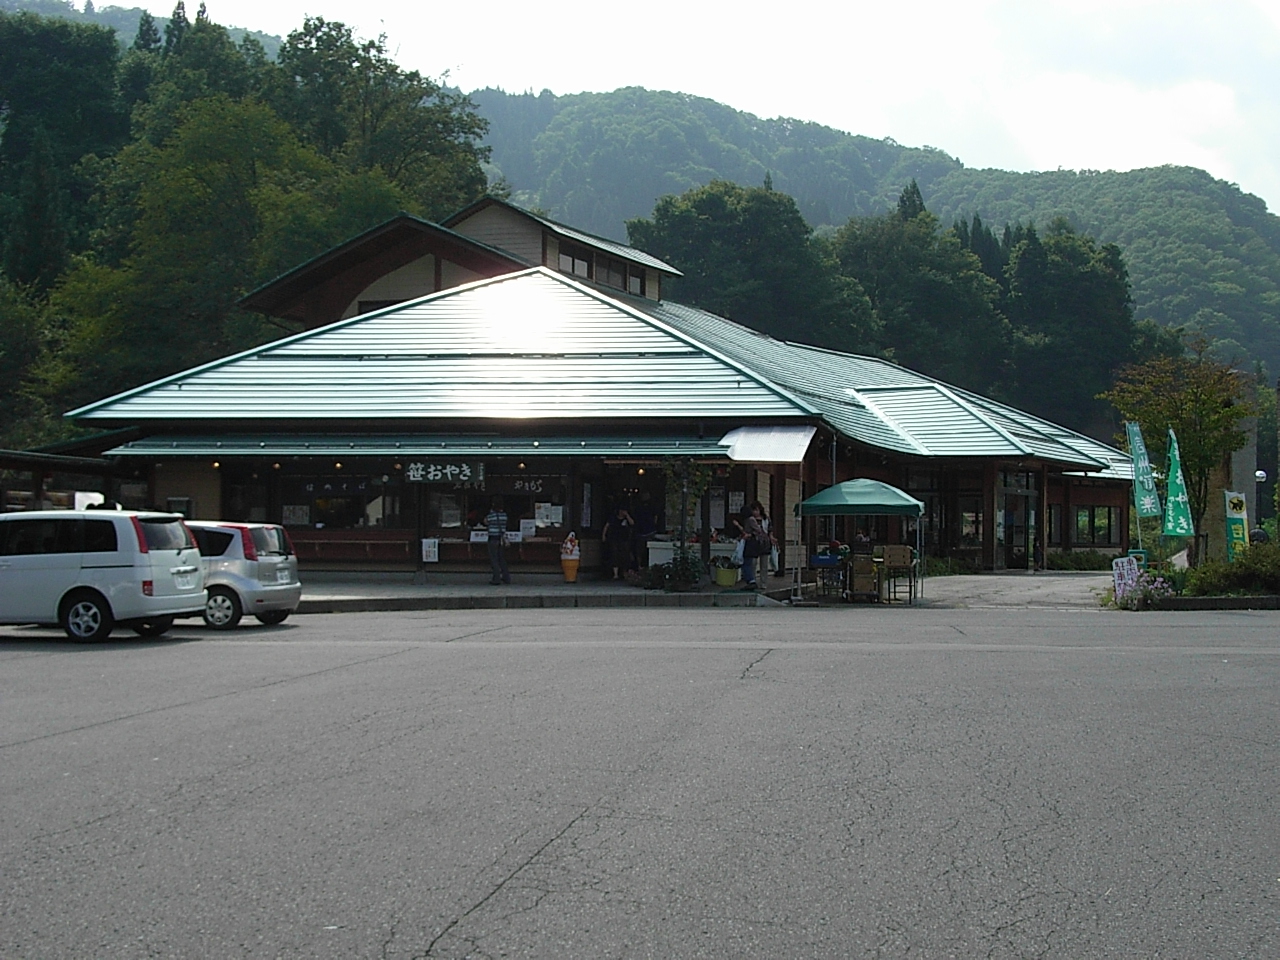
(445, 471)
(1237, 525)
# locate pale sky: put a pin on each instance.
(1015, 84)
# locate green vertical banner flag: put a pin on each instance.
(1177, 509)
(1237, 525)
(1145, 497)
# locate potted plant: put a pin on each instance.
(684, 572)
(570, 557)
(725, 571)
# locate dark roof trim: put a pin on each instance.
(603, 244)
(286, 288)
(29, 460)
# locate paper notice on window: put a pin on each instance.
(479, 536)
(528, 529)
(450, 512)
(557, 515)
(430, 550)
(737, 500)
(542, 514)
(717, 507)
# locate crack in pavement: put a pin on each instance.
(754, 662)
(504, 881)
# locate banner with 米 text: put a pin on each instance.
(1145, 497)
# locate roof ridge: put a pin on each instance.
(666, 328)
(890, 422)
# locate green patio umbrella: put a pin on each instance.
(862, 497)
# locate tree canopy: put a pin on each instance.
(144, 192)
(1201, 399)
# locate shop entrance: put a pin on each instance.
(1017, 520)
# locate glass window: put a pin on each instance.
(1055, 523)
(166, 534)
(99, 536)
(28, 537)
(270, 542)
(212, 543)
(636, 281)
(575, 260)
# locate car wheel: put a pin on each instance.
(222, 610)
(272, 617)
(86, 617)
(152, 627)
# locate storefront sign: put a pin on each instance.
(430, 550)
(1237, 525)
(465, 472)
(1124, 575)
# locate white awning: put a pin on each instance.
(768, 444)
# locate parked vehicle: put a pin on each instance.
(248, 568)
(90, 570)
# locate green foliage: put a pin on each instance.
(1255, 572)
(1201, 253)
(1068, 300)
(20, 337)
(358, 108)
(684, 571)
(933, 308)
(1201, 399)
(747, 254)
(35, 246)
(949, 566)
(227, 201)
(1078, 560)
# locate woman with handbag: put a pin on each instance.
(755, 544)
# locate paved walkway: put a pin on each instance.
(355, 592)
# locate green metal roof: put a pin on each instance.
(890, 407)
(529, 345)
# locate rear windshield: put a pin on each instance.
(167, 534)
(212, 543)
(270, 542)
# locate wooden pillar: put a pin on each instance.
(989, 477)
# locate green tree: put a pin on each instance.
(148, 37)
(228, 200)
(19, 348)
(747, 254)
(1201, 399)
(35, 246)
(357, 107)
(175, 30)
(935, 308)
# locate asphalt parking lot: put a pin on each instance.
(759, 782)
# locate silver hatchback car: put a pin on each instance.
(248, 568)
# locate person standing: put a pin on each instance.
(496, 522)
(756, 544)
(617, 537)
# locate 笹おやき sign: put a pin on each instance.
(469, 473)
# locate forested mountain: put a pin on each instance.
(1201, 253)
(123, 20)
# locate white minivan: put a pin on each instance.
(89, 570)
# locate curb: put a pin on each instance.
(1218, 603)
(525, 602)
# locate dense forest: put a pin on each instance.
(1201, 254)
(144, 189)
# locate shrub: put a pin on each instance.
(1079, 560)
(1148, 588)
(948, 566)
(1256, 572)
